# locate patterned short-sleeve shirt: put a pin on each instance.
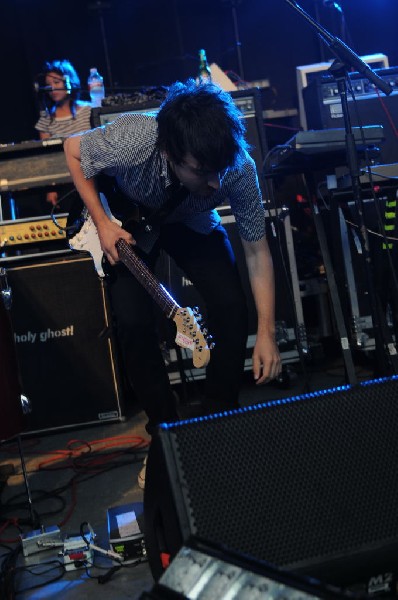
(126, 149)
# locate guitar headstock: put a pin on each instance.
(190, 335)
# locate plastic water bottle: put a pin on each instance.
(96, 88)
(204, 74)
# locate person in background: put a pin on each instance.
(61, 111)
(196, 145)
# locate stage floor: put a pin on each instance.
(76, 475)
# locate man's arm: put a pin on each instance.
(108, 231)
(266, 358)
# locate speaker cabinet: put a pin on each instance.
(62, 336)
(249, 102)
(307, 483)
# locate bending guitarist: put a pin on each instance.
(194, 144)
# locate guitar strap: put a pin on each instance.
(145, 225)
(146, 230)
(176, 194)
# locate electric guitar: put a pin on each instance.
(187, 320)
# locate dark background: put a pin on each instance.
(153, 42)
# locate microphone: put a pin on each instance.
(45, 88)
(49, 88)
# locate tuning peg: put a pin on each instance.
(210, 342)
(196, 313)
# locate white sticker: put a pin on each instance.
(127, 524)
(184, 341)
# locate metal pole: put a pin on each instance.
(25, 476)
(99, 6)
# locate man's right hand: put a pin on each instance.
(109, 233)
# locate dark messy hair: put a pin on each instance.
(201, 120)
(67, 72)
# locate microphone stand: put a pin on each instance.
(385, 351)
(234, 4)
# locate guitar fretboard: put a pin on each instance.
(152, 285)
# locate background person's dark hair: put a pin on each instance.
(201, 120)
(67, 72)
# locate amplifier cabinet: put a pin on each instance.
(290, 328)
(307, 73)
(324, 111)
(64, 345)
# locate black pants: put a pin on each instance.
(208, 261)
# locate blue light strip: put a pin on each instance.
(13, 208)
(279, 402)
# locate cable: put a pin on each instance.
(387, 112)
(69, 229)
(80, 458)
(7, 574)
(108, 553)
(57, 565)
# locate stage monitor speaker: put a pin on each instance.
(323, 108)
(307, 483)
(62, 335)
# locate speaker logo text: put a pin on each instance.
(30, 337)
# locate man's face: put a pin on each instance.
(196, 179)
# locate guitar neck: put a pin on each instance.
(152, 285)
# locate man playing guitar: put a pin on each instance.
(194, 150)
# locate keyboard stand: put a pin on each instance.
(334, 294)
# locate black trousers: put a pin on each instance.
(208, 261)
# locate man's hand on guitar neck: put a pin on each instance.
(109, 233)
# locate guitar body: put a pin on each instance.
(189, 333)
